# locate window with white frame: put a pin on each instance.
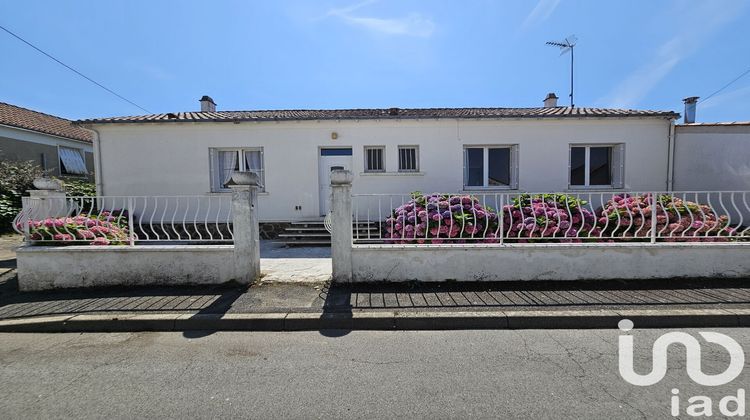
(597, 166)
(491, 167)
(408, 159)
(71, 161)
(226, 161)
(374, 159)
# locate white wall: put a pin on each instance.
(173, 158)
(44, 268)
(550, 262)
(713, 158)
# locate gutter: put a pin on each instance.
(670, 156)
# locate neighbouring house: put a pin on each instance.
(712, 156)
(393, 150)
(56, 144)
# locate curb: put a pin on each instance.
(383, 320)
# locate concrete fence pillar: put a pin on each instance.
(47, 200)
(244, 186)
(341, 232)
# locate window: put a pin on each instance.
(71, 161)
(490, 167)
(408, 159)
(374, 159)
(226, 161)
(596, 166)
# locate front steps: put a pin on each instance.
(314, 233)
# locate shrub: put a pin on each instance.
(464, 219)
(79, 188)
(438, 218)
(632, 216)
(106, 228)
(16, 177)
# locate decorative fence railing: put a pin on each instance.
(126, 219)
(581, 217)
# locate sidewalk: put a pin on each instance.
(296, 295)
(313, 306)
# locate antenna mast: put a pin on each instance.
(567, 45)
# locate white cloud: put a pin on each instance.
(541, 12)
(414, 24)
(696, 27)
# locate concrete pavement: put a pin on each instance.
(425, 374)
(316, 306)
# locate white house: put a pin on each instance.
(394, 150)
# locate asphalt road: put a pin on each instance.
(426, 374)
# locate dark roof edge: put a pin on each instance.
(666, 115)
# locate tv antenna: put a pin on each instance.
(565, 46)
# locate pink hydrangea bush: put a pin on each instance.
(633, 216)
(104, 228)
(438, 218)
(531, 218)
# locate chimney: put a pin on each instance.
(207, 104)
(690, 104)
(551, 100)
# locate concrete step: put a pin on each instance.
(314, 233)
(306, 242)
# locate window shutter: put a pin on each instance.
(466, 167)
(213, 169)
(618, 166)
(514, 167)
(570, 166)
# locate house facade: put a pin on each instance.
(713, 156)
(389, 151)
(55, 144)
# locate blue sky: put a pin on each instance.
(349, 54)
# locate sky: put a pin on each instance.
(164, 55)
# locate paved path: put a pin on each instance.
(564, 374)
(8, 245)
(295, 270)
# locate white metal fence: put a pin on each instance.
(126, 219)
(580, 217)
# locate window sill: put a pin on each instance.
(229, 192)
(488, 189)
(594, 188)
(391, 174)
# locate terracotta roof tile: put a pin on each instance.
(384, 113)
(15, 116)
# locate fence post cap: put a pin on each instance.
(341, 177)
(48, 184)
(244, 178)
